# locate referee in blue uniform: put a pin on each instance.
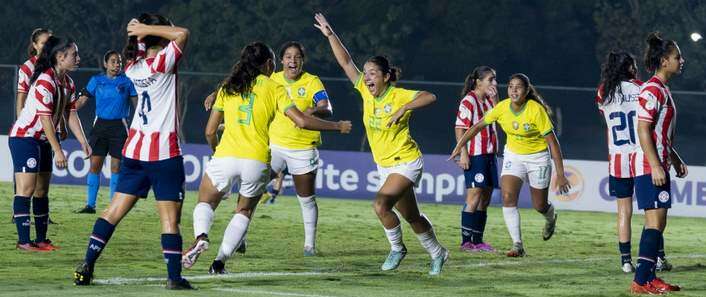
(113, 92)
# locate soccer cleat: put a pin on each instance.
(217, 267)
(549, 227)
(438, 263)
(663, 265)
(50, 221)
(393, 259)
(242, 247)
(469, 247)
(628, 267)
(181, 284)
(664, 286)
(648, 289)
(266, 197)
(31, 247)
(516, 251)
(86, 209)
(83, 274)
(485, 247)
(190, 256)
(309, 251)
(46, 244)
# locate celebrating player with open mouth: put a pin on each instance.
(151, 155)
(524, 118)
(247, 101)
(386, 113)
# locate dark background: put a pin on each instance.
(558, 44)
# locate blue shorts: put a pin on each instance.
(650, 196)
(30, 155)
(165, 177)
(482, 173)
(621, 187)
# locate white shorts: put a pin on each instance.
(251, 175)
(297, 162)
(411, 170)
(537, 168)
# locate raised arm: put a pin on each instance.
(342, 56)
(177, 34)
(422, 99)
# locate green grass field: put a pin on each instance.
(581, 259)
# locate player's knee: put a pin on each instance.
(509, 199)
(380, 207)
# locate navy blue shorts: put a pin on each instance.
(165, 177)
(482, 173)
(30, 155)
(650, 196)
(621, 187)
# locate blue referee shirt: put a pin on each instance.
(112, 95)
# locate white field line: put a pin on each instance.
(127, 281)
(271, 293)
(517, 262)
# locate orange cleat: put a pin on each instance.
(648, 289)
(31, 247)
(664, 286)
(46, 244)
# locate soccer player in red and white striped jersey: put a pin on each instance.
(24, 74)
(51, 96)
(478, 157)
(151, 155)
(656, 119)
(617, 102)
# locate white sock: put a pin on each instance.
(234, 234)
(549, 214)
(310, 216)
(429, 241)
(394, 236)
(512, 221)
(203, 218)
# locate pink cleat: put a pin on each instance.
(469, 247)
(484, 247)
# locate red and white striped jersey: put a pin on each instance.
(25, 74)
(656, 106)
(471, 111)
(153, 132)
(48, 95)
(620, 117)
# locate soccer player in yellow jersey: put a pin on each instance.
(294, 148)
(530, 141)
(386, 113)
(247, 101)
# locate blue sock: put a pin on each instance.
(660, 246)
(648, 256)
(466, 226)
(20, 208)
(114, 179)
(482, 217)
(625, 252)
(94, 182)
(40, 208)
(171, 248)
(102, 231)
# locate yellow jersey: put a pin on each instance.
(525, 129)
(304, 92)
(247, 119)
(394, 145)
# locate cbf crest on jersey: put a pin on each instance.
(526, 126)
(301, 91)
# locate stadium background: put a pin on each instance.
(559, 44)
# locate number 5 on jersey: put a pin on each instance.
(245, 109)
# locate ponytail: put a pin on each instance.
(657, 48)
(31, 51)
(479, 72)
(131, 49)
(47, 58)
(386, 68)
(616, 69)
(253, 58)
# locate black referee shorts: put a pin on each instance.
(108, 137)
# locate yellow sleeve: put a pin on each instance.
(316, 85)
(544, 124)
(218, 105)
(282, 100)
(359, 84)
(492, 115)
(407, 96)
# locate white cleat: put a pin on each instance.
(628, 267)
(188, 259)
